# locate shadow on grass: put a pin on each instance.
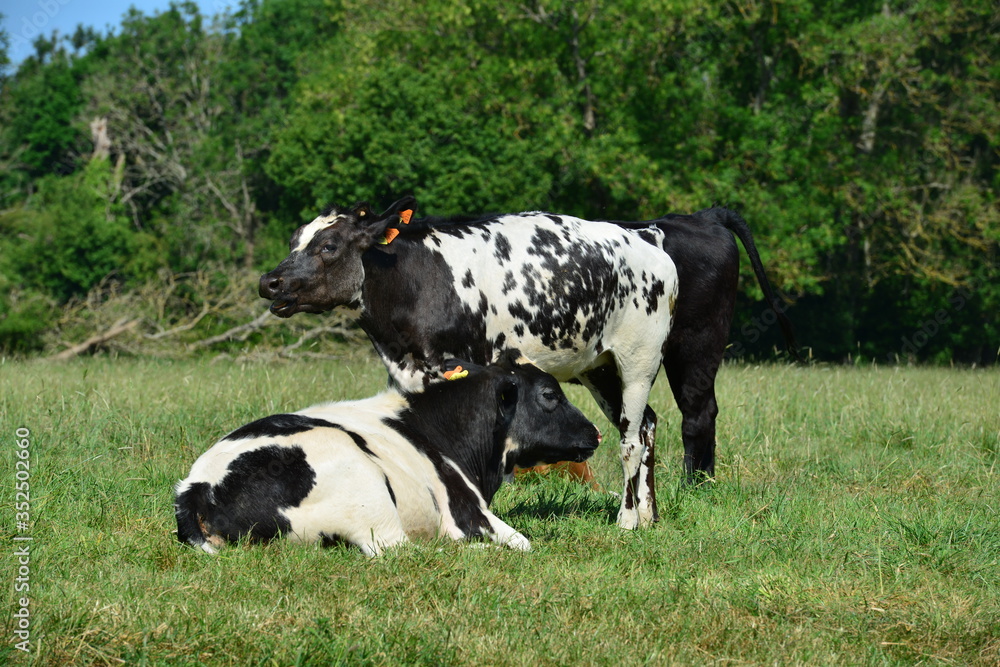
(543, 498)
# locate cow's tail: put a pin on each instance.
(191, 507)
(735, 223)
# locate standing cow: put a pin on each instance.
(599, 303)
(379, 471)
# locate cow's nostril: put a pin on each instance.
(269, 285)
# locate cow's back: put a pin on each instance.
(561, 290)
(708, 265)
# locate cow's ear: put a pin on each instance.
(363, 212)
(382, 229)
(511, 358)
(400, 208)
(507, 359)
(507, 393)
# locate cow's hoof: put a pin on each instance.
(628, 519)
(632, 519)
(519, 542)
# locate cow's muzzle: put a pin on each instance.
(280, 292)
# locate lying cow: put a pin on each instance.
(379, 471)
(605, 304)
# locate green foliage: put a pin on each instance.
(70, 236)
(4, 45)
(859, 140)
(24, 316)
(36, 133)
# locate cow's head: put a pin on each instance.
(323, 269)
(546, 427)
(535, 422)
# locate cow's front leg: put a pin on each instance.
(638, 508)
(504, 535)
(645, 484)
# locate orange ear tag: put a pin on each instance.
(404, 216)
(390, 234)
(456, 374)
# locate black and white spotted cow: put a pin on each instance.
(379, 471)
(596, 302)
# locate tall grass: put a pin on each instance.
(854, 521)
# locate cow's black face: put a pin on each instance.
(320, 273)
(546, 427)
(323, 269)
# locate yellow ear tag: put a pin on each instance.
(456, 374)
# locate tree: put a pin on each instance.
(859, 140)
(39, 104)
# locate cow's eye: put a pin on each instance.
(329, 247)
(550, 396)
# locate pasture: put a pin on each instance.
(855, 520)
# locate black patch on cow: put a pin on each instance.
(189, 508)
(333, 540)
(277, 426)
(358, 440)
(652, 295)
(465, 506)
(545, 241)
(508, 282)
(607, 385)
(502, 251)
(530, 273)
(388, 486)
(648, 236)
(434, 500)
(570, 289)
(259, 484)
(468, 281)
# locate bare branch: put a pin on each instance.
(119, 327)
(241, 332)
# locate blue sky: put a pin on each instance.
(24, 20)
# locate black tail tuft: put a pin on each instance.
(193, 503)
(735, 223)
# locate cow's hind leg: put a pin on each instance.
(352, 503)
(691, 373)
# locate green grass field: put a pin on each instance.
(854, 521)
